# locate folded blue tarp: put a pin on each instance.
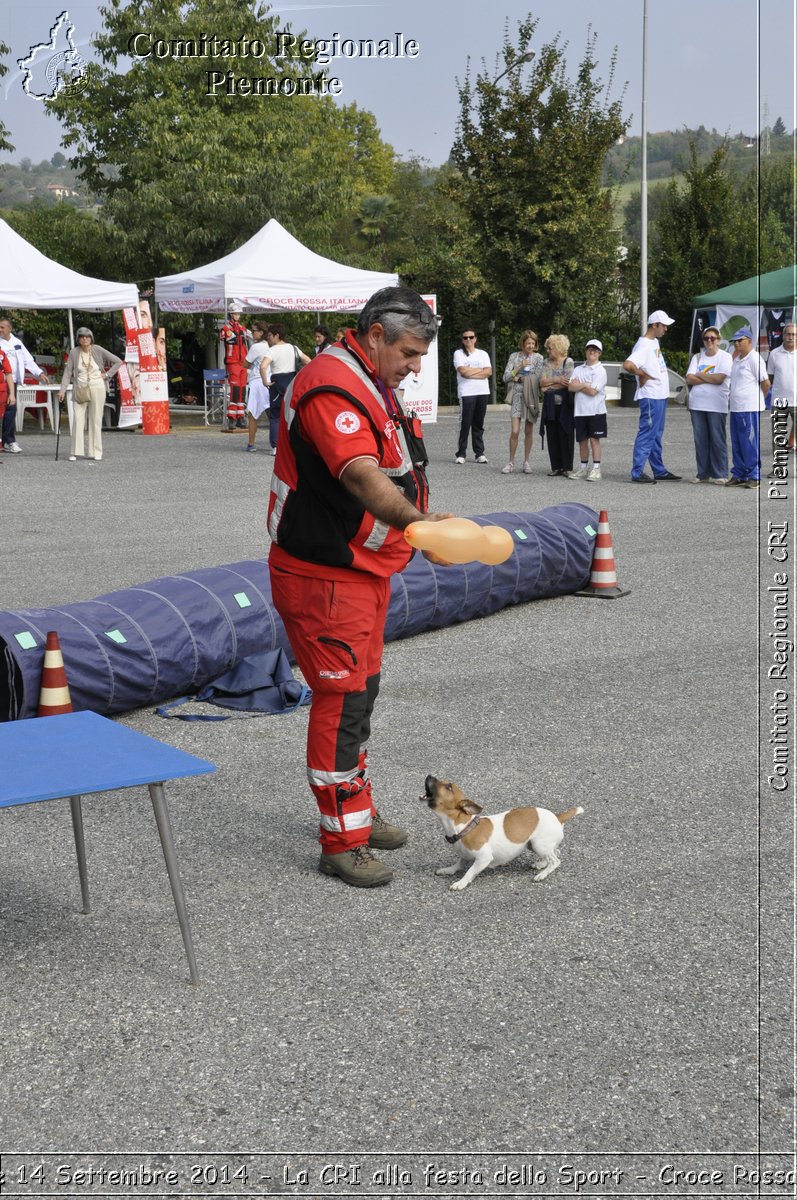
(145, 644)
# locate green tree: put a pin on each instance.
(537, 224)
(778, 129)
(4, 142)
(770, 194)
(186, 176)
(707, 235)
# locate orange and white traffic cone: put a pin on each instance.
(54, 696)
(603, 577)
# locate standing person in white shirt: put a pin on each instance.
(473, 368)
(749, 386)
(22, 362)
(646, 361)
(781, 366)
(258, 362)
(709, 378)
(588, 383)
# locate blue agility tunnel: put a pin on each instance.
(145, 644)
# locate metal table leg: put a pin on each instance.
(80, 847)
(172, 866)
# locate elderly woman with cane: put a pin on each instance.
(90, 367)
(522, 376)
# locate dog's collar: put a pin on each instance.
(451, 838)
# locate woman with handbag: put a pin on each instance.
(522, 377)
(90, 367)
(286, 360)
(558, 405)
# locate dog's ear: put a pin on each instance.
(470, 807)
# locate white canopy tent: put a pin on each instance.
(29, 279)
(272, 272)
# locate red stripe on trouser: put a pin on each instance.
(236, 377)
(336, 630)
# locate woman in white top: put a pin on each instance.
(284, 356)
(90, 367)
(258, 361)
(709, 379)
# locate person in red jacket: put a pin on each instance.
(237, 340)
(348, 478)
(7, 395)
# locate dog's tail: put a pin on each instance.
(568, 814)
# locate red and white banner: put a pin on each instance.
(129, 408)
(419, 392)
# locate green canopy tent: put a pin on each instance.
(774, 290)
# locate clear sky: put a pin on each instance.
(716, 65)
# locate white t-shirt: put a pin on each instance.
(710, 397)
(781, 366)
(595, 376)
(746, 374)
(254, 354)
(283, 358)
(647, 356)
(472, 387)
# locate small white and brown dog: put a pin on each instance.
(492, 841)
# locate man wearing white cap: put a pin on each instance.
(749, 386)
(237, 340)
(646, 361)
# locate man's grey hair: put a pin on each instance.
(400, 310)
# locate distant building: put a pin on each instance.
(60, 191)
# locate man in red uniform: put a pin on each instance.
(236, 340)
(7, 395)
(348, 478)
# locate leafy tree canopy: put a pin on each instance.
(187, 176)
(536, 238)
(705, 238)
(4, 142)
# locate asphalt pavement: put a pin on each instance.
(637, 1002)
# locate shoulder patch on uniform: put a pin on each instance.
(347, 422)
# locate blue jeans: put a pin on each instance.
(745, 446)
(647, 447)
(711, 444)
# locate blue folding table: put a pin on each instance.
(50, 758)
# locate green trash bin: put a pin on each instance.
(628, 384)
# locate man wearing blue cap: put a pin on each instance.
(646, 361)
(749, 386)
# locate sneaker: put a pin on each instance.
(359, 867)
(241, 423)
(643, 478)
(753, 484)
(273, 451)
(721, 482)
(73, 458)
(459, 460)
(250, 449)
(385, 836)
(734, 482)
(508, 469)
(526, 468)
(668, 475)
(697, 479)
(13, 448)
(581, 473)
(594, 474)
(482, 459)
